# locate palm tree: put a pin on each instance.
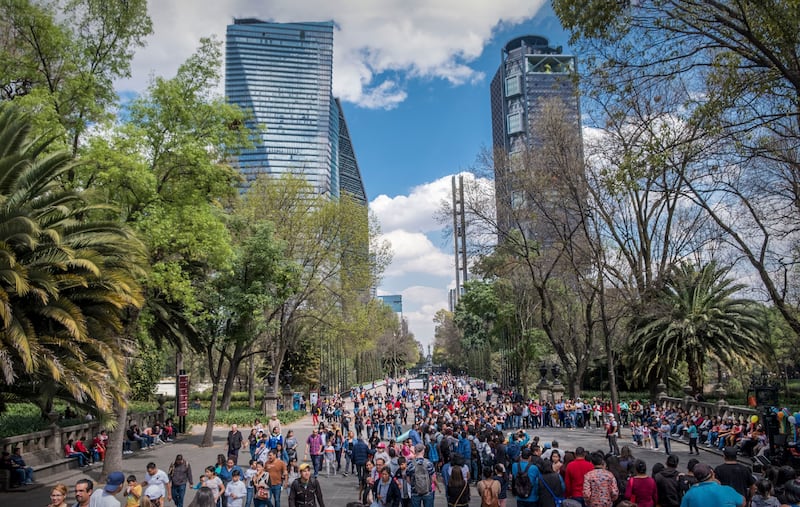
(67, 276)
(692, 317)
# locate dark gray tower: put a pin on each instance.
(530, 74)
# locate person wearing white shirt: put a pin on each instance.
(236, 491)
(156, 479)
(248, 481)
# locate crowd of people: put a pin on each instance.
(464, 440)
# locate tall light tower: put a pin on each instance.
(459, 236)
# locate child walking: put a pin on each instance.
(330, 459)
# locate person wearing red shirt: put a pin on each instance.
(99, 447)
(575, 472)
(80, 446)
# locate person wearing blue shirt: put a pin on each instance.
(413, 434)
(226, 472)
(525, 465)
(709, 492)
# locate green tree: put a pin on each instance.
(693, 318)
(165, 167)
(145, 370)
(330, 240)
(69, 277)
(61, 58)
(447, 341)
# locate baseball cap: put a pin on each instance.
(114, 481)
(419, 447)
(304, 466)
(702, 471)
(730, 452)
(381, 445)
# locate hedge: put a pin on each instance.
(244, 417)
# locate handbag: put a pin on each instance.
(556, 499)
(630, 490)
(262, 490)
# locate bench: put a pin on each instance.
(47, 462)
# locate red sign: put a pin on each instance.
(183, 395)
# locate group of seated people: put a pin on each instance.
(721, 432)
(149, 437)
(87, 454)
(21, 474)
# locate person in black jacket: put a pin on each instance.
(305, 491)
(360, 457)
(669, 491)
(385, 491)
(554, 482)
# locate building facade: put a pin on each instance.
(283, 74)
(531, 75)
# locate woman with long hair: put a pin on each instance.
(261, 486)
(552, 485)
(291, 445)
(222, 461)
(203, 498)
(180, 474)
(457, 488)
(338, 445)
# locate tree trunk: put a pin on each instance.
(695, 371)
(236, 361)
(208, 436)
(251, 385)
(216, 374)
(113, 458)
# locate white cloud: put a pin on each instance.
(374, 40)
(414, 253)
(417, 211)
(419, 263)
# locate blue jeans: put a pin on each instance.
(178, 493)
(250, 492)
(666, 444)
(275, 495)
(422, 501)
(316, 460)
(81, 458)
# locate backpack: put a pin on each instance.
(487, 458)
(521, 484)
(422, 481)
(488, 498)
(433, 453)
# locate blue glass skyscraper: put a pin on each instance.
(283, 73)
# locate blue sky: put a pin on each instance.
(414, 78)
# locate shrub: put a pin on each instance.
(242, 416)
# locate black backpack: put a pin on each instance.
(521, 484)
